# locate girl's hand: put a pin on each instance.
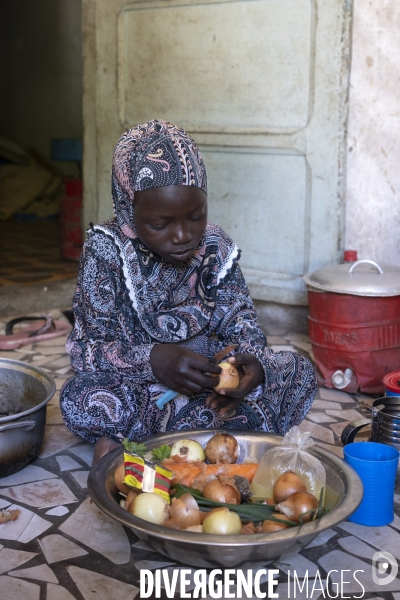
(182, 370)
(252, 374)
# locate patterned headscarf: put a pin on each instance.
(154, 154)
(174, 302)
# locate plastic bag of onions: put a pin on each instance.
(292, 454)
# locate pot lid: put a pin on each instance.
(361, 278)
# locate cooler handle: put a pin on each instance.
(363, 261)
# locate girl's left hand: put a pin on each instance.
(252, 374)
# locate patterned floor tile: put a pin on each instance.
(57, 547)
(50, 492)
(96, 530)
(11, 559)
(104, 588)
(18, 589)
(58, 592)
(42, 572)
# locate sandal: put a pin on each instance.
(32, 333)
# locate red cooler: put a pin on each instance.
(354, 324)
(70, 219)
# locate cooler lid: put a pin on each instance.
(391, 381)
(361, 278)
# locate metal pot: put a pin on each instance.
(385, 423)
(25, 391)
(354, 324)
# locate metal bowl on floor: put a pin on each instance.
(344, 491)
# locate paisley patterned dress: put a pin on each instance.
(127, 299)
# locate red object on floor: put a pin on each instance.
(70, 220)
(357, 332)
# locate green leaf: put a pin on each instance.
(134, 447)
(161, 452)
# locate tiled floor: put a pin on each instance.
(62, 547)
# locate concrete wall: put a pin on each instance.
(373, 171)
(41, 73)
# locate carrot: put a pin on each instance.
(186, 473)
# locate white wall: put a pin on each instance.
(41, 72)
(373, 159)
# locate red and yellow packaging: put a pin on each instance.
(147, 476)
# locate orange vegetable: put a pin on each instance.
(186, 473)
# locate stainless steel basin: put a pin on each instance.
(344, 491)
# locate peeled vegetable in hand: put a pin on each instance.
(150, 507)
(222, 448)
(228, 378)
(287, 484)
(222, 521)
(187, 451)
(299, 507)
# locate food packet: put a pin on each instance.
(147, 476)
(291, 455)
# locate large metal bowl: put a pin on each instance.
(344, 490)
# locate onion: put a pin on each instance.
(297, 505)
(287, 484)
(228, 378)
(119, 475)
(185, 511)
(269, 526)
(187, 451)
(222, 521)
(222, 448)
(222, 491)
(150, 507)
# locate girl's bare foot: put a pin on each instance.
(103, 446)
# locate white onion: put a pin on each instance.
(228, 378)
(222, 521)
(187, 451)
(150, 507)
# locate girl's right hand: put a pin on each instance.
(183, 370)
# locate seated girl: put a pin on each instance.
(159, 293)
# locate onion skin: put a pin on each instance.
(297, 504)
(222, 521)
(187, 451)
(228, 378)
(119, 475)
(287, 484)
(185, 511)
(270, 526)
(221, 449)
(218, 491)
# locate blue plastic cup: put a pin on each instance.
(376, 465)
